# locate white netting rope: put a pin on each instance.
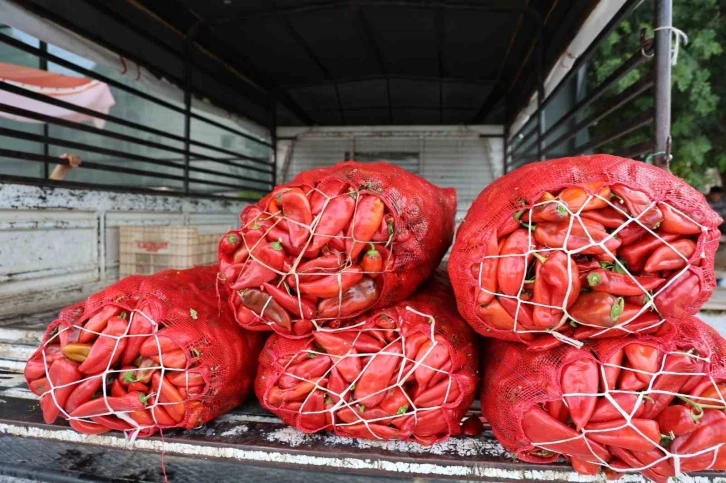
(153, 396)
(641, 397)
(345, 266)
(620, 325)
(405, 372)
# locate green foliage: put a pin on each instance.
(699, 86)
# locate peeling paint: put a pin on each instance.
(236, 431)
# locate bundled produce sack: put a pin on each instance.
(586, 247)
(407, 372)
(333, 243)
(149, 352)
(649, 404)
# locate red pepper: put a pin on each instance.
(428, 424)
(117, 390)
(675, 300)
(597, 308)
(97, 323)
(366, 220)
(543, 343)
(678, 420)
(88, 427)
(666, 258)
(39, 386)
(298, 306)
(276, 396)
(664, 467)
(370, 431)
(372, 262)
(431, 355)
(138, 387)
(321, 266)
(630, 462)
(330, 188)
(356, 299)
(585, 467)
(174, 360)
(645, 323)
(637, 202)
(608, 216)
(621, 284)
(669, 383)
(169, 396)
(312, 412)
(540, 428)
(580, 376)
(369, 388)
(618, 434)
(36, 366)
(266, 307)
(632, 233)
(611, 369)
(334, 219)
(308, 369)
(486, 271)
(550, 211)
(296, 209)
(513, 262)
(558, 410)
(444, 392)
(710, 432)
(525, 315)
(554, 235)
(629, 381)
(472, 426)
(140, 325)
(636, 254)
(151, 347)
(675, 222)
(395, 401)
(268, 260)
(494, 315)
(133, 401)
(607, 411)
(229, 243)
(347, 361)
(644, 358)
(109, 347)
(332, 285)
(576, 196)
(551, 284)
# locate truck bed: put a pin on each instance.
(241, 445)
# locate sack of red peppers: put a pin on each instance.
(583, 248)
(649, 404)
(407, 372)
(149, 352)
(333, 243)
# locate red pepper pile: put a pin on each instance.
(651, 404)
(146, 353)
(581, 248)
(405, 372)
(333, 243)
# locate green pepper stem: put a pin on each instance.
(593, 279)
(539, 257)
(699, 406)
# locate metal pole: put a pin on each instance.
(46, 130)
(540, 94)
(663, 22)
(188, 70)
(273, 139)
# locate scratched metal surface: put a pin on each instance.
(248, 436)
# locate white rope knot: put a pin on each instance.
(679, 35)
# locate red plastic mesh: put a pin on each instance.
(181, 306)
(412, 229)
(517, 380)
(416, 382)
(492, 217)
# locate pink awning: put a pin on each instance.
(88, 93)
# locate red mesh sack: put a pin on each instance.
(652, 404)
(149, 352)
(333, 243)
(584, 247)
(408, 372)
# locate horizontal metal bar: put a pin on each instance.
(638, 149)
(515, 146)
(384, 77)
(640, 120)
(635, 61)
(125, 137)
(6, 39)
(608, 108)
(5, 178)
(26, 156)
(90, 112)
